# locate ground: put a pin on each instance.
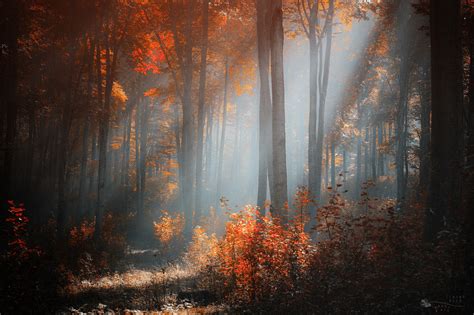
(142, 285)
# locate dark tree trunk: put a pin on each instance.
(144, 113)
(11, 13)
(405, 42)
(446, 97)
(469, 258)
(138, 172)
(425, 133)
(66, 120)
(85, 136)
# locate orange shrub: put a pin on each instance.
(168, 227)
(261, 259)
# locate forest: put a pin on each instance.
(237, 157)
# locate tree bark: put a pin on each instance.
(313, 112)
(201, 109)
(322, 98)
(373, 157)
(425, 133)
(380, 141)
(265, 111)
(188, 142)
(12, 15)
(446, 132)
(333, 164)
(85, 137)
(223, 132)
(280, 197)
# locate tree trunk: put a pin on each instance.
(138, 172)
(188, 142)
(373, 157)
(366, 154)
(405, 42)
(380, 162)
(322, 98)
(66, 119)
(425, 132)
(313, 113)
(111, 57)
(201, 109)
(446, 132)
(280, 197)
(469, 254)
(85, 136)
(144, 112)
(264, 144)
(326, 167)
(359, 155)
(12, 15)
(333, 164)
(223, 131)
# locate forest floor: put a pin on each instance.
(141, 285)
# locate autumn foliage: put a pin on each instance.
(365, 258)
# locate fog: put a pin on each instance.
(241, 142)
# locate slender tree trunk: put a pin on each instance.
(280, 197)
(326, 167)
(313, 113)
(223, 131)
(425, 134)
(322, 98)
(126, 155)
(144, 112)
(263, 33)
(405, 43)
(110, 64)
(359, 156)
(138, 172)
(366, 154)
(344, 164)
(93, 170)
(373, 157)
(380, 140)
(66, 119)
(209, 148)
(333, 164)
(201, 109)
(85, 136)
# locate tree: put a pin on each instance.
(280, 197)
(201, 108)
(265, 106)
(446, 102)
